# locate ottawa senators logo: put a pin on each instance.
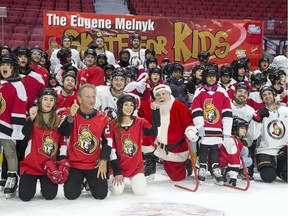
(211, 114)
(276, 129)
(49, 147)
(129, 147)
(2, 104)
(87, 142)
(110, 112)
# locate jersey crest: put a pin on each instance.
(129, 147)
(49, 147)
(87, 142)
(211, 114)
(110, 112)
(2, 104)
(276, 129)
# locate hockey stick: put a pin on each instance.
(247, 179)
(194, 170)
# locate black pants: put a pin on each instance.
(73, 186)
(212, 150)
(27, 187)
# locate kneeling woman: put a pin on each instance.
(41, 131)
(126, 155)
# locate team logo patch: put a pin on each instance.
(276, 129)
(211, 114)
(49, 147)
(87, 142)
(2, 104)
(129, 147)
(110, 112)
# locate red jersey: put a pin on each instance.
(42, 146)
(84, 149)
(255, 100)
(65, 102)
(128, 146)
(41, 71)
(93, 75)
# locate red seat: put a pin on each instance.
(37, 30)
(35, 43)
(21, 29)
(19, 36)
(14, 43)
(36, 37)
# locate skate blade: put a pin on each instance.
(150, 177)
(201, 182)
(220, 183)
(11, 195)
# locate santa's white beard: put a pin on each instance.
(165, 107)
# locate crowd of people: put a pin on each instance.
(94, 122)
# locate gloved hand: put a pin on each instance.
(63, 167)
(282, 153)
(52, 171)
(260, 114)
(201, 131)
(191, 133)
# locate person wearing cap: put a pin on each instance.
(137, 54)
(45, 61)
(12, 117)
(269, 125)
(124, 56)
(90, 73)
(278, 80)
(66, 68)
(36, 55)
(171, 143)
(257, 81)
(108, 70)
(52, 82)
(203, 57)
(5, 50)
(66, 44)
(263, 63)
(99, 47)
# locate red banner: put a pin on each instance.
(179, 39)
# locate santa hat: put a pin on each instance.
(161, 87)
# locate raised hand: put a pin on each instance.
(74, 108)
(33, 112)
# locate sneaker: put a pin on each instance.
(202, 172)
(188, 166)
(216, 174)
(11, 183)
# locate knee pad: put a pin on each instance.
(268, 174)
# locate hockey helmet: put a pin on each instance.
(275, 75)
(242, 85)
(122, 100)
(119, 72)
(5, 48)
(266, 88)
(109, 66)
(257, 79)
(62, 54)
(263, 60)
(90, 52)
(152, 59)
(226, 70)
(48, 91)
(209, 71)
(136, 36)
(65, 36)
(151, 51)
(203, 55)
(238, 123)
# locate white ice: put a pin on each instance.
(162, 199)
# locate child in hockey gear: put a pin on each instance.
(225, 80)
(278, 80)
(12, 117)
(128, 132)
(41, 129)
(257, 82)
(108, 69)
(212, 116)
(239, 70)
(263, 64)
(101, 60)
(234, 148)
(270, 125)
(5, 50)
(124, 57)
(203, 58)
(89, 146)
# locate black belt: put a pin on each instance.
(170, 146)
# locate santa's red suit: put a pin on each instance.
(175, 118)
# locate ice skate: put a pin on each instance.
(216, 174)
(2, 184)
(11, 185)
(150, 167)
(202, 172)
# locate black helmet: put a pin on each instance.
(155, 70)
(45, 55)
(178, 66)
(90, 52)
(203, 55)
(242, 85)
(196, 68)
(263, 60)
(152, 59)
(257, 79)
(165, 60)
(69, 75)
(48, 91)
(208, 72)
(66, 36)
(5, 47)
(22, 51)
(238, 123)
(122, 100)
(109, 66)
(236, 65)
(69, 67)
(150, 51)
(102, 56)
(226, 70)
(63, 54)
(269, 71)
(119, 72)
(133, 69)
(124, 51)
(275, 75)
(13, 60)
(36, 48)
(266, 88)
(136, 36)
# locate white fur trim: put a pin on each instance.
(161, 87)
(175, 157)
(147, 149)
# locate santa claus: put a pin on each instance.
(171, 144)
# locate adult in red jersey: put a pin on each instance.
(128, 132)
(36, 55)
(170, 144)
(41, 129)
(12, 117)
(89, 146)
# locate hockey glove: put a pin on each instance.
(191, 133)
(63, 167)
(260, 114)
(282, 153)
(52, 171)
